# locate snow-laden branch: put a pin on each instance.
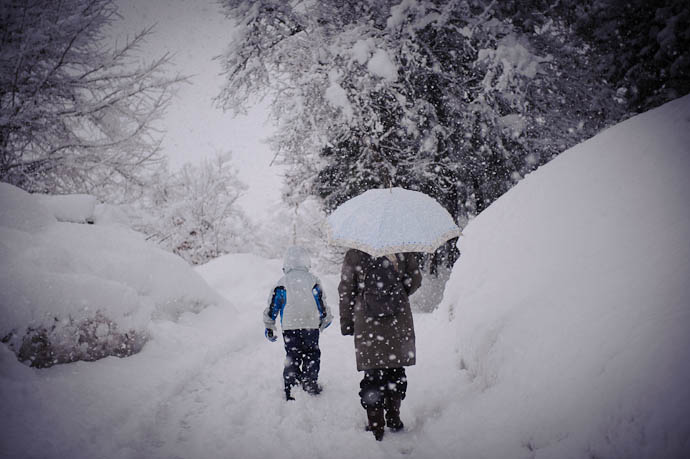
(71, 106)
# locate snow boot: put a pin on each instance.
(377, 423)
(312, 388)
(392, 407)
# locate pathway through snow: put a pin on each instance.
(234, 407)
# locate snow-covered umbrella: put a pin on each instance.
(391, 220)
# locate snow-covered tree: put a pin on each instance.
(194, 212)
(642, 47)
(459, 99)
(75, 115)
(302, 224)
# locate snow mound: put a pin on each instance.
(570, 305)
(71, 291)
(108, 214)
(75, 208)
(29, 217)
(238, 271)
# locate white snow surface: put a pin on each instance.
(75, 208)
(570, 305)
(55, 271)
(563, 333)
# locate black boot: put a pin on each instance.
(311, 387)
(288, 391)
(376, 420)
(392, 406)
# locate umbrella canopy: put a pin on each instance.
(391, 220)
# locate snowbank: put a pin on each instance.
(71, 291)
(75, 208)
(239, 272)
(570, 305)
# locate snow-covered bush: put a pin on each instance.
(75, 208)
(71, 291)
(194, 212)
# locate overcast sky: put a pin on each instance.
(195, 31)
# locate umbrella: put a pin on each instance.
(391, 220)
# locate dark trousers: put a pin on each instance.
(382, 384)
(303, 359)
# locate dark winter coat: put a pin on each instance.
(381, 342)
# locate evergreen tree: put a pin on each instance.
(643, 47)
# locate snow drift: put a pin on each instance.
(71, 291)
(570, 305)
(75, 208)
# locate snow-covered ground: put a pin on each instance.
(563, 333)
(83, 286)
(570, 306)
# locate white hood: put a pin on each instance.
(296, 258)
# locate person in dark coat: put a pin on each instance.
(384, 342)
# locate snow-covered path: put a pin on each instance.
(235, 408)
(210, 386)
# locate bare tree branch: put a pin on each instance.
(76, 115)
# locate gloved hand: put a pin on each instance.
(323, 324)
(270, 335)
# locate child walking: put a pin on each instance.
(300, 301)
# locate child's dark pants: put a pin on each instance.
(303, 359)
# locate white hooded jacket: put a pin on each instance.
(298, 296)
